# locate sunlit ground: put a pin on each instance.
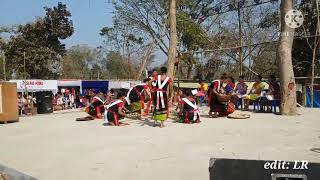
(57, 147)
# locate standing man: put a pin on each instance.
(162, 91)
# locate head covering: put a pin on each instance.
(194, 92)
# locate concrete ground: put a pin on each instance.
(57, 147)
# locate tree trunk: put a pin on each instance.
(313, 74)
(145, 59)
(173, 39)
(288, 86)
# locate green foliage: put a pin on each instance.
(78, 62)
(190, 32)
(116, 66)
(40, 40)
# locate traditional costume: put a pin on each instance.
(190, 112)
(97, 107)
(111, 114)
(135, 97)
(214, 104)
(223, 104)
(160, 99)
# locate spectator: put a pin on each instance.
(229, 88)
(202, 88)
(20, 104)
(241, 88)
(60, 103)
(255, 92)
(25, 106)
(272, 94)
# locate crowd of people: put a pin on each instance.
(25, 103)
(154, 95)
(71, 99)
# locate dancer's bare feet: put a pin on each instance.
(120, 124)
(162, 125)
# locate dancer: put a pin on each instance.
(161, 94)
(114, 111)
(189, 111)
(215, 89)
(136, 97)
(96, 106)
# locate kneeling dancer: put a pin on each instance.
(96, 107)
(189, 112)
(114, 111)
(136, 97)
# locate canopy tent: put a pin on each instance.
(36, 85)
(72, 85)
(122, 84)
(98, 86)
(69, 83)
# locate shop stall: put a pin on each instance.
(36, 85)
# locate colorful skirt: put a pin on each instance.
(160, 115)
(136, 106)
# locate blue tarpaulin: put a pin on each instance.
(316, 101)
(97, 86)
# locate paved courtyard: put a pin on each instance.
(57, 147)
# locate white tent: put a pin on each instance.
(122, 84)
(69, 83)
(34, 85)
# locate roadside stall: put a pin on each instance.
(39, 94)
(69, 90)
(36, 85)
(72, 85)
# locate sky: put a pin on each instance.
(88, 17)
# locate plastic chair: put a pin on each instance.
(239, 103)
(274, 104)
(256, 103)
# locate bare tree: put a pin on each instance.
(314, 51)
(145, 59)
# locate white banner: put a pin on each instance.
(35, 85)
